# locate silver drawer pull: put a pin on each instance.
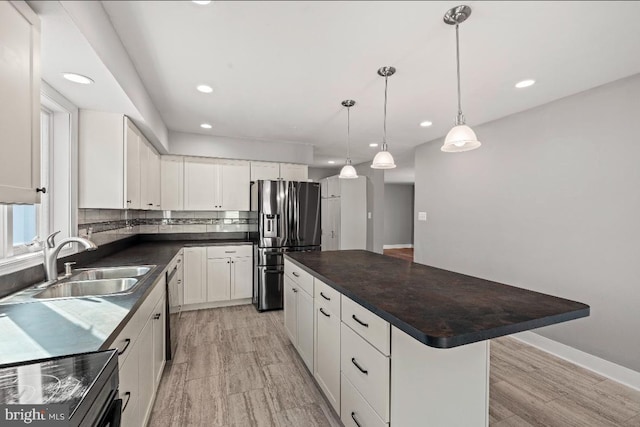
(326, 314)
(353, 316)
(325, 297)
(353, 360)
(353, 416)
(295, 274)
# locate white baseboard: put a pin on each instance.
(401, 246)
(607, 369)
(218, 304)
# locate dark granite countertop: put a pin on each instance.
(55, 327)
(437, 307)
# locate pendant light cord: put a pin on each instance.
(460, 118)
(384, 138)
(348, 134)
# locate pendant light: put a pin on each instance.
(461, 137)
(348, 171)
(384, 159)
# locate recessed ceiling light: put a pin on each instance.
(373, 144)
(331, 162)
(202, 2)
(205, 126)
(205, 88)
(426, 124)
(77, 78)
(525, 83)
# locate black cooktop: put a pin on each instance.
(65, 380)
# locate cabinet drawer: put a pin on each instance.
(327, 296)
(367, 369)
(356, 412)
(298, 275)
(128, 389)
(229, 251)
(369, 326)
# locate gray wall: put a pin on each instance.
(316, 174)
(550, 202)
(375, 205)
(192, 144)
(398, 214)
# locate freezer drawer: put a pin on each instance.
(269, 286)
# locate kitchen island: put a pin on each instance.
(413, 347)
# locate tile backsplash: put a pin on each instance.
(109, 225)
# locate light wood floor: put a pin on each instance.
(402, 253)
(236, 368)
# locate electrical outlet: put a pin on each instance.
(422, 216)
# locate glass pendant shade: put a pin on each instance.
(348, 172)
(460, 138)
(383, 160)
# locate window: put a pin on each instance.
(20, 225)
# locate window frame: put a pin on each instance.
(61, 177)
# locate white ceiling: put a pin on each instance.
(280, 69)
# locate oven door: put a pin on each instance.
(269, 287)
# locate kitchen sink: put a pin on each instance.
(111, 273)
(83, 288)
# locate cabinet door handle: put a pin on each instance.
(366, 325)
(325, 297)
(121, 352)
(128, 395)
(353, 416)
(294, 290)
(295, 274)
(157, 316)
(322, 311)
(128, 201)
(42, 190)
(353, 360)
(149, 204)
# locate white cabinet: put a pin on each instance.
(172, 183)
(20, 107)
(241, 277)
(141, 357)
(235, 185)
(293, 172)
(195, 275)
(299, 313)
(331, 224)
(149, 177)
(117, 167)
(132, 167)
(128, 375)
(327, 342)
(218, 279)
(218, 273)
(212, 184)
(279, 171)
(265, 170)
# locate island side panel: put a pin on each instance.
(438, 387)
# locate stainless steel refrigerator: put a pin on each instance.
(288, 220)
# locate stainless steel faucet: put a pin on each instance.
(51, 251)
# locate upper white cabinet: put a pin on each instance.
(118, 167)
(172, 183)
(20, 109)
(279, 171)
(212, 184)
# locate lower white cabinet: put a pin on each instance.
(298, 318)
(217, 273)
(356, 412)
(141, 349)
(327, 351)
